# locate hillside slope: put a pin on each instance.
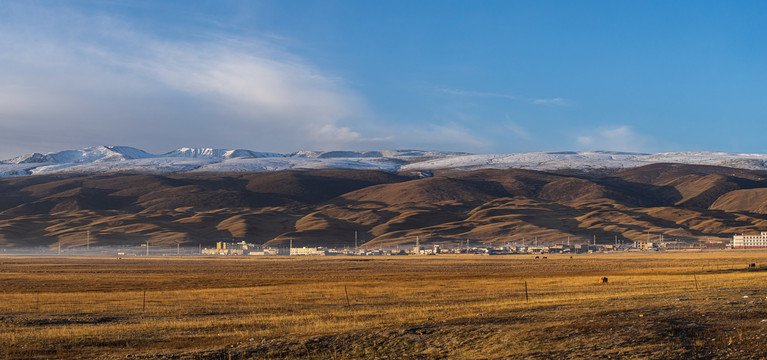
(327, 207)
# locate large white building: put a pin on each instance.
(305, 251)
(749, 241)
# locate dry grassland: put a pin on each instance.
(659, 305)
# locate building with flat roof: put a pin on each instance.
(744, 241)
(305, 251)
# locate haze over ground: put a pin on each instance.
(489, 77)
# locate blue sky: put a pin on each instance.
(475, 76)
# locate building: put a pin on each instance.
(646, 245)
(231, 248)
(744, 241)
(305, 251)
(270, 251)
(242, 245)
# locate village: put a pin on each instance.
(243, 248)
(233, 247)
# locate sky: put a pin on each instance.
(473, 76)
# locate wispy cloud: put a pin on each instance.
(517, 129)
(77, 80)
(558, 101)
(553, 101)
(617, 138)
(442, 136)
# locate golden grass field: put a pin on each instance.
(657, 305)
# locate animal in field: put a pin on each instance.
(603, 280)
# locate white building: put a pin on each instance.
(305, 251)
(749, 241)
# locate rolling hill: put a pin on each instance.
(325, 207)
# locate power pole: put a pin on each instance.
(59, 246)
(355, 241)
(178, 248)
(147, 248)
(88, 241)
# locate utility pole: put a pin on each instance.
(59, 246)
(178, 248)
(147, 248)
(88, 241)
(355, 241)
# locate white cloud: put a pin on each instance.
(259, 85)
(445, 136)
(553, 101)
(79, 80)
(618, 138)
(558, 101)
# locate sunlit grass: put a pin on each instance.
(102, 306)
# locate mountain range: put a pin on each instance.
(120, 195)
(123, 159)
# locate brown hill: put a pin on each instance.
(747, 200)
(327, 207)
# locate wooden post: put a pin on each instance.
(347, 296)
(143, 305)
(696, 281)
(527, 297)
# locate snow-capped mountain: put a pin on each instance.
(375, 154)
(87, 155)
(105, 159)
(220, 154)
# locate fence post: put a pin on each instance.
(347, 296)
(527, 297)
(696, 281)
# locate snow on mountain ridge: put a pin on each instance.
(105, 159)
(374, 154)
(86, 155)
(210, 153)
(589, 160)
